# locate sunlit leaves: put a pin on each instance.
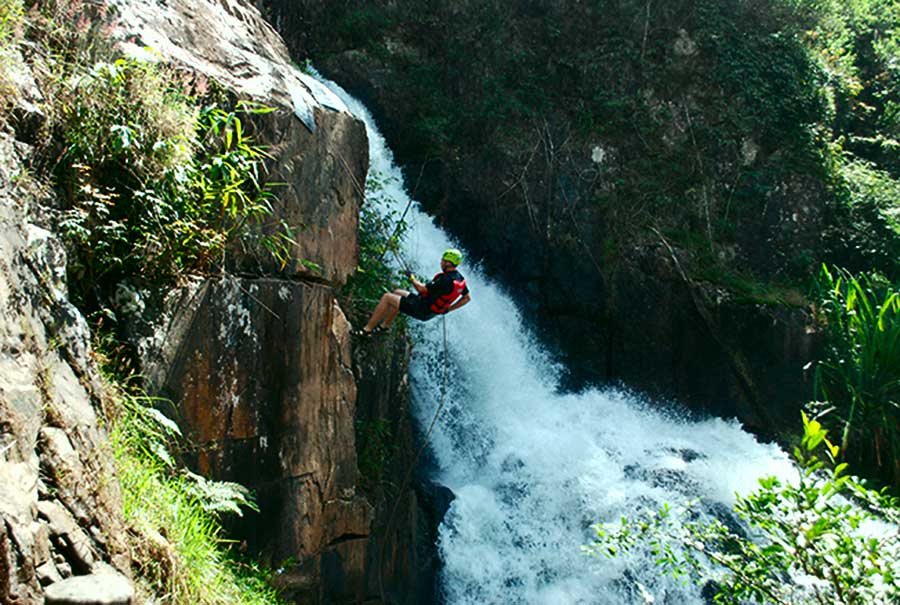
(822, 538)
(859, 375)
(157, 186)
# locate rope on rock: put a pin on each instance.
(412, 465)
(362, 193)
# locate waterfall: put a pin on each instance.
(532, 468)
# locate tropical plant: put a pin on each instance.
(155, 185)
(859, 376)
(820, 538)
(174, 516)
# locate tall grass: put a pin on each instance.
(10, 23)
(173, 517)
(860, 374)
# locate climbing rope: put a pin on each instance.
(390, 239)
(412, 465)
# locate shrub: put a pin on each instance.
(859, 376)
(155, 185)
(813, 546)
(865, 230)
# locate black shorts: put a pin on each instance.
(414, 306)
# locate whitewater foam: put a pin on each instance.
(532, 469)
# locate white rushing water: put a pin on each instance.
(533, 469)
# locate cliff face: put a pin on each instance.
(59, 500)
(605, 163)
(258, 368)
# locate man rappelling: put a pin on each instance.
(445, 292)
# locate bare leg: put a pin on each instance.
(392, 313)
(386, 311)
(391, 316)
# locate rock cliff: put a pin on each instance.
(260, 369)
(257, 365)
(59, 500)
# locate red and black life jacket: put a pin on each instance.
(440, 304)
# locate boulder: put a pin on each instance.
(94, 589)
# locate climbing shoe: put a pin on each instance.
(363, 333)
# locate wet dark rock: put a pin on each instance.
(726, 515)
(686, 454)
(709, 591)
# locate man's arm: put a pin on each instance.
(419, 286)
(462, 302)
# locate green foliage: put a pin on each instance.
(864, 231)
(859, 376)
(10, 23)
(856, 42)
(357, 26)
(814, 546)
(375, 449)
(174, 516)
(155, 185)
(763, 65)
(380, 237)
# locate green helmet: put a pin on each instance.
(452, 255)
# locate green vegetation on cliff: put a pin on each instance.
(742, 123)
(157, 183)
(175, 518)
(156, 176)
(380, 237)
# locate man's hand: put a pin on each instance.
(419, 286)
